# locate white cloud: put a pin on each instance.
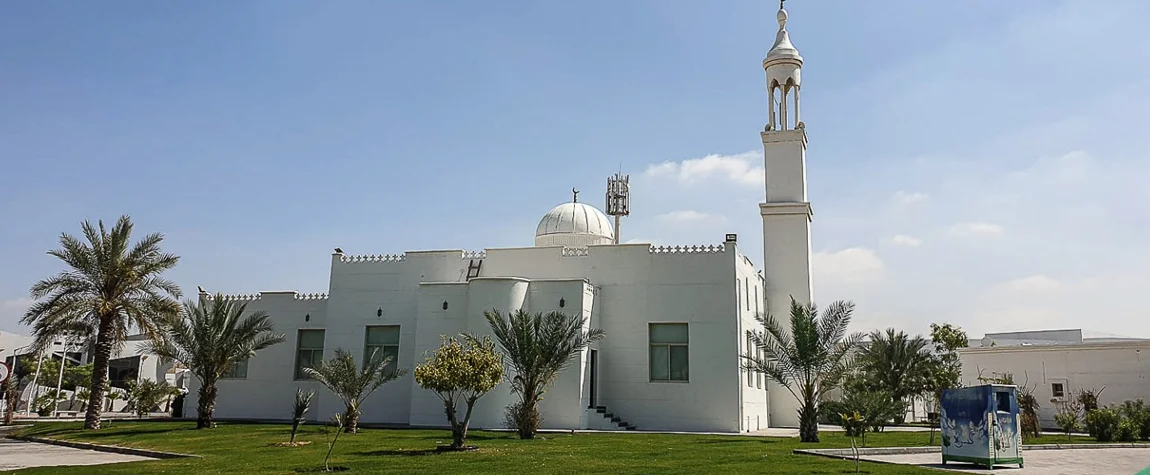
(1032, 284)
(689, 217)
(854, 265)
(905, 241)
(910, 198)
(740, 169)
(975, 229)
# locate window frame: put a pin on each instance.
(367, 346)
(1061, 394)
(686, 345)
(299, 374)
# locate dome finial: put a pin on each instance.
(574, 195)
(782, 16)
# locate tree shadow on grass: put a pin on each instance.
(405, 453)
(100, 434)
(745, 440)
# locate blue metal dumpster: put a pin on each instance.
(980, 424)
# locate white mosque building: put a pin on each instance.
(676, 318)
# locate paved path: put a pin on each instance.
(16, 454)
(1044, 462)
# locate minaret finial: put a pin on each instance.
(574, 195)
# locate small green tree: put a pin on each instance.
(461, 372)
(352, 383)
(855, 426)
(1069, 417)
(808, 359)
(537, 346)
(300, 409)
(338, 421)
(146, 396)
(943, 368)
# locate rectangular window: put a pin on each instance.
(238, 370)
(750, 351)
(1057, 390)
(309, 351)
(738, 297)
(759, 376)
(747, 291)
(382, 341)
(756, 299)
(669, 355)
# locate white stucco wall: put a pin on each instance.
(1122, 368)
(622, 288)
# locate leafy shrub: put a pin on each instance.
(1138, 413)
(1102, 424)
(1127, 431)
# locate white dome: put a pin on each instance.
(574, 225)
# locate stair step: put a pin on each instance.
(617, 419)
(630, 428)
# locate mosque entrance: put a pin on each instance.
(594, 378)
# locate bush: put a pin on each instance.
(1102, 424)
(1127, 431)
(1138, 413)
(518, 415)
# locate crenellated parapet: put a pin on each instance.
(260, 296)
(373, 258)
(704, 249)
(235, 297)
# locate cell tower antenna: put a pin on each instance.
(618, 198)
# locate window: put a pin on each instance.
(669, 356)
(1002, 401)
(759, 376)
(1057, 390)
(382, 341)
(309, 351)
(238, 370)
(747, 291)
(738, 296)
(750, 351)
(756, 299)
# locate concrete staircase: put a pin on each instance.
(600, 418)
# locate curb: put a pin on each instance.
(105, 448)
(848, 453)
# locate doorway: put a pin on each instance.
(594, 379)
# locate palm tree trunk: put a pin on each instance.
(352, 418)
(99, 374)
(808, 423)
(529, 411)
(206, 405)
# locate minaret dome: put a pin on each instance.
(784, 78)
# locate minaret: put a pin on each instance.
(786, 212)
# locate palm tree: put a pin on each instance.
(352, 383)
(895, 363)
(208, 338)
(537, 346)
(809, 360)
(111, 287)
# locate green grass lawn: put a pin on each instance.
(250, 449)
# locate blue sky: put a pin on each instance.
(977, 162)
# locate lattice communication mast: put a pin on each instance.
(618, 199)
